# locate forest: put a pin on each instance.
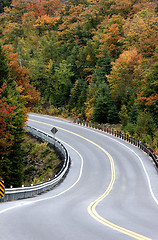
(92, 59)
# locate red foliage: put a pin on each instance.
(21, 76)
(5, 112)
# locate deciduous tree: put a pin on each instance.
(122, 77)
(141, 32)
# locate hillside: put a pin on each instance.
(97, 60)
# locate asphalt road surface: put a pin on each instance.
(109, 193)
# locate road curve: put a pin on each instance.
(110, 192)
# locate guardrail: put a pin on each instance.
(119, 134)
(25, 192)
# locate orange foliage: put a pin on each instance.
(20, 74)
(46, 22)
(146, 101)
(121, 6)
(112, 38)
(109, 34)
(44, 7)
(70, 21)
(89, 78)
(124, 73)
(141, 32)
(143, 4)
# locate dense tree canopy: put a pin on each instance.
(97, 59)
(16, 95)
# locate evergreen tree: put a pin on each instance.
(4, 69)
(133, 114)
(15, 123)
(78, 95)
(12, 121)
(145, 126)
(113, 116)
(103, 68)
(103, 104)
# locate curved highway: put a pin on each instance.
(110, 192)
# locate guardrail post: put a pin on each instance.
(136, 143)
(140, 145)
(25, 192)
(125, 136)
(119, 134)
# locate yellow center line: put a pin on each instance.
(92, 207)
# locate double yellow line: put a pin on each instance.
(92, 207)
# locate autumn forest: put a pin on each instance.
(93, 59)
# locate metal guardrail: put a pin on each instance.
(119, 134)
(25, 192)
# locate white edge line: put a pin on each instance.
(59, 194)
(147, 176)
(108, 136)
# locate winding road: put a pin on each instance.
(109, 193)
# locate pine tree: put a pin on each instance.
(103, 67)
(103, 104)
(12, 121)
(4, 69)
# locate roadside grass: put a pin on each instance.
(41, 161)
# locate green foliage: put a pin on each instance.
(133, 114)
(103, 104)
(76, 49)
(11, 154)
(144, 129)
(86, 60)
(40, 161)
(113, 116)
(4, 3)
(4, 69)
(151, 92)
(44, 152)
(130, 128)
(78, 95)
(145, 125)
(123, 115)
(15, 124)
(103, 68)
